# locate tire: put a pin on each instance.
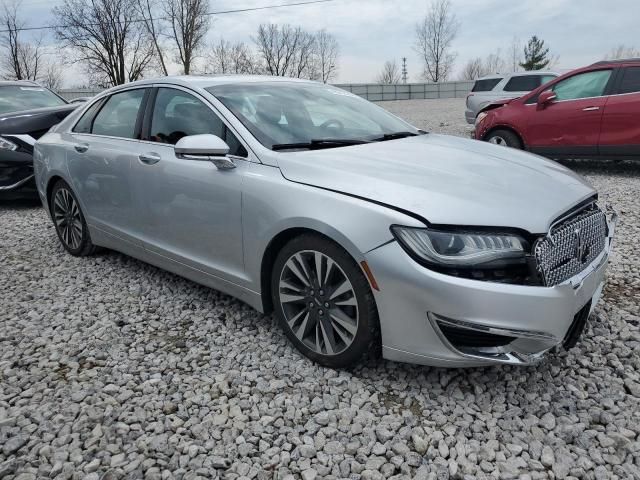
(69, 221)
(332, 321)
(505, 138)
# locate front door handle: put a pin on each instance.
(81, 147)
(590, 109)
(149, 158)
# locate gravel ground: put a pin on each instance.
(110, 368)
(438, 116)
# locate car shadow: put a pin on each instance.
(622, 168)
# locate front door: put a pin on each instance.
(570, 125)
(191, 211)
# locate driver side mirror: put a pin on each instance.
(545, 98)
(205, 147)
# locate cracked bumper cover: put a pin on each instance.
(414, 300)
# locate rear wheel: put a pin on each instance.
(504, 138)
(69, 221)
(324, 303)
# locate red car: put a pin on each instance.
(590, 112)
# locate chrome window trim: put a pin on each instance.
(110, 137)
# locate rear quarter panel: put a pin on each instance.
(49, 160)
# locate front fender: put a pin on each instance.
(272, 204)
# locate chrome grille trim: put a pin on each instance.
(571, 246)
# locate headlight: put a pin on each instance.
(7, 145)
(459, 249)
(481, 116)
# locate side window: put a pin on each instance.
(485, 85)
(86, 121)
(546, 78)
(177, 114)
(630, 80)
(523, 83)
(583, 85)
(119, 115)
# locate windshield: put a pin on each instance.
(14, 98)
(288, 113)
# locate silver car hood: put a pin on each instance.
(446, 180)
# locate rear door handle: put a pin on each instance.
(590, 109)
(150, 158)
(81, 147)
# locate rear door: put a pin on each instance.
(620, 135)
(102, 147)
(570, 125)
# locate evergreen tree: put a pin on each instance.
(535, 55)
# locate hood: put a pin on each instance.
(37, 120)
(446, 180)
(498, 103)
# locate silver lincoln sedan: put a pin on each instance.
(363, 234)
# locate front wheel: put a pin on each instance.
(69, 221)
(504, 138)
(324, 303)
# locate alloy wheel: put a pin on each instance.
(66, 215)
(498, 140)
(319, 302)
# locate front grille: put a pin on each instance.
(571, 246)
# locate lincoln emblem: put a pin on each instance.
(581, 246)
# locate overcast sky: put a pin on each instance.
(373, 31)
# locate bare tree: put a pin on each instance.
(105, 38)
(227, 57)
(52, 77)
(154, 28)
(515, 54)
(473, 69)
(493, 63)
(435, 34)
(189, 22)
(277, 46)
(21, 60)
(622, 51)
(304, 63)
(327, 53)
(390, 73)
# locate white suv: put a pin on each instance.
(498, 87)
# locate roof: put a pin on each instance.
(204, 81)
(8, 83)
(616, 62)
(518, 74)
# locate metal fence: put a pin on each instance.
(371, 91)
(409, 91)
(70, 94)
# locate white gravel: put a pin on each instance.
(110, 368)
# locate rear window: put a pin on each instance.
(485, 85)
(525, 83)
(630, 80)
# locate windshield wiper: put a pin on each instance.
(318, 144)
(397, 135)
